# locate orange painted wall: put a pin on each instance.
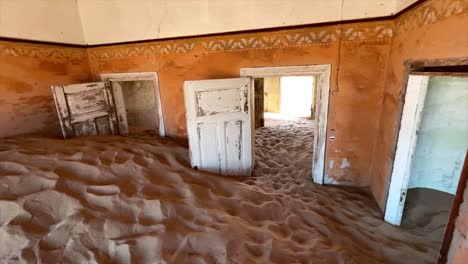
(357, 52)
(435, 30)
(26, 73)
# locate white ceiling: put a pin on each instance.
(109, 21)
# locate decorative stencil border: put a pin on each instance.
(429, 13)
(281, 39)
(142, 50)
(374, 31)
(41, 51)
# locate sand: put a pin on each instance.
(427, 212)
(136, 200)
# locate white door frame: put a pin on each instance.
(322, 73)
(406, 144)
(142, 76)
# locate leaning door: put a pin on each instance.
(219, 125)
(120, 109)
(85, 109)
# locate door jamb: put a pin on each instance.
(142, 76)
(322, 73)
(406, 145)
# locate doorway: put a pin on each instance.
(286, 99)
(431, 149)
(138, 98)
(293, 99)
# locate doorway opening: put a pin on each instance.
(138, 102)
(287, 100)
(290, 116)
(430, 153)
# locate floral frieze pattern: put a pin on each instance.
(427, 13)
(281, 39)
(41, 51)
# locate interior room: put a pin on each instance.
(140, 105)
(288, 98)
(233, 131)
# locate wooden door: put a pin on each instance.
(121, 111)
(219, 125)
(85, 109)
(259, 102)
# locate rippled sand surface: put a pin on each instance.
(136, 200)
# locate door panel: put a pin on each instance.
(85, 109)
(209, 154)
(222, 101)
(233, 131)
(219, 125)
(86, 102)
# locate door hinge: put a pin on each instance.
(402, 197)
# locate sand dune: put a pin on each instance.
(136, 200)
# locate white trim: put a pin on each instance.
(141, 76)
(120, 108)
(285, 71)
(406, 144)
(322, 73)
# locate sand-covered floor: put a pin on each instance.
(427, 212)
(136, 200)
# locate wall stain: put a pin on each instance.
(59, 68)
(17, 85)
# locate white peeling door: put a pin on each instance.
(85, 109)
(219, 124)
(120, 109)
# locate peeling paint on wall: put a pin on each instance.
(345, 164)
(328, 180)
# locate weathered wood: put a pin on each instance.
(120, 107)
(259, 102)
(138, 76)
(83, 87)
(219, 125)
(413, 64)
(62, 110)
(406, 144)
(321, 124)
(85, 109)
(451, 74)
(285, 71)
(112, 115)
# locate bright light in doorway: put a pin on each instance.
(297, 96)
